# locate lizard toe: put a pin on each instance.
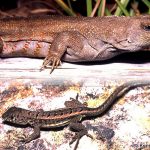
(51, 61)
(55, 64)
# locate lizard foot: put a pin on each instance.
(78, 136)
(51, 60)
(25, 140)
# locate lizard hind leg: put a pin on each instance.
(80, 130)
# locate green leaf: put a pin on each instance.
(65, 8)
(89, 7)
(122, 7)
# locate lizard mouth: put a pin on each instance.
(124, 46)
(6, 119)
(146, 48)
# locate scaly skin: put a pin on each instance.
(73, 39)
(71, 115)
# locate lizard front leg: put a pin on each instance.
(64, 40)
(74, 102)
(34, 135)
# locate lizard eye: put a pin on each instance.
(12, 118)
(145, 27)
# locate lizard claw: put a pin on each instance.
(77, 138)
(53, 61)
(55, 64)
(23, 140)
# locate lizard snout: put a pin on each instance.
(8, 115)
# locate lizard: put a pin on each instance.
(71, 115)
(73, 39)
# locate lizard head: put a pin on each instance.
(132, 33)
(138, 33)
(13, 115)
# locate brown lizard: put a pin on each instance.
(73, 39)
(71, 115)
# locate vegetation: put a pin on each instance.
(74, 7)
